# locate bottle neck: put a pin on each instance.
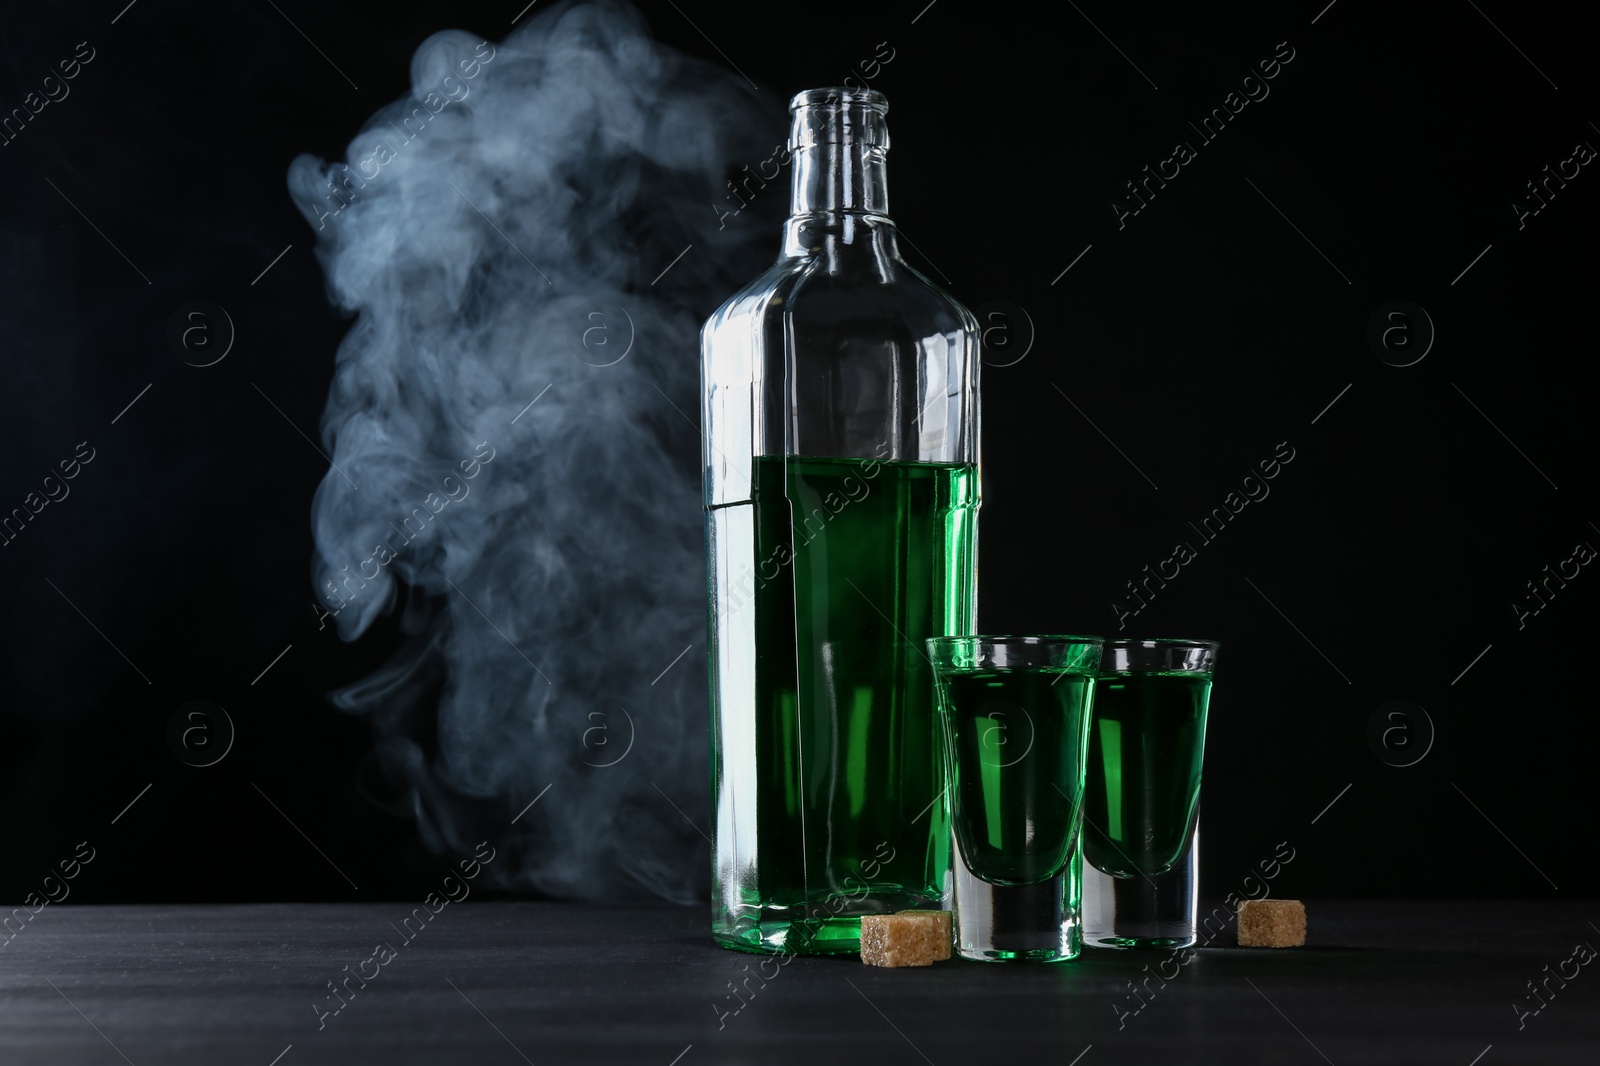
(839, 188)
(839, 177)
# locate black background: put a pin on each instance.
(1197, 337)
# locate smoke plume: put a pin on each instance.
(501, 236)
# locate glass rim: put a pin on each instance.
(1015, 640)
(1163, 642)
(1159, 655)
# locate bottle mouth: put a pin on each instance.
(839, 116)
(838, 97)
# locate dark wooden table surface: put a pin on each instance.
(491, 983)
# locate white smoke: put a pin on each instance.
(498, 234)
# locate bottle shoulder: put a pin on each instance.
(814, 289)
(811, 359)
(761, 295)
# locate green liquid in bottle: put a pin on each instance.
(1146, 742)
(1017, 752)
(857, 563)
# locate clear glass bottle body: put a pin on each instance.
(839, 400)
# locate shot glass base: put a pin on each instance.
(1137, 942)
(1019, 956)
(1017, 923)
(1156, 912)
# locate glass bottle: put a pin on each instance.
(839, 400)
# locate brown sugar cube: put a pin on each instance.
(1272, 923)
(910, 938)
(938, 931)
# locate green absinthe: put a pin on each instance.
(1146, 743)
(1017, 750)
(858, 561)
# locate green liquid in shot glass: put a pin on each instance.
(1146, 742)
(1017, 769)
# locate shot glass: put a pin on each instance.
(1014, 712)
(1141, 831)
